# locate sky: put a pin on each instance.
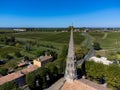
(59, 13)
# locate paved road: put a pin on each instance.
(90, 53)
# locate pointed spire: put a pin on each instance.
(70, 73)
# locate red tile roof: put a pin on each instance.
(44, 58)
(82, 84)
(21, 64)
(17, 74)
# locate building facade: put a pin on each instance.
(42, 60)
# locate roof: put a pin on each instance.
(17, 74)
(44, 58)
(1, 75)
(83, 84)
(102, 60)
(21, 64)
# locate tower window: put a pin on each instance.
(68, 64)
(68, 71)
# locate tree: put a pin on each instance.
(28, 46)
(6, 40)
(69, 28)
(6, 56)
(96, 46)
(95, 71)
(44, 76)
(9, 86)
(26, 58)
(79, 54)
(64, 51)
(12, 39)
(31, 80)
(17, 44)
(18, 54)
(52, 68)
(60, 64)
(3, 71)
(53, 53)
(113, 76)
(40, 53)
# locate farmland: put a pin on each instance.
(107, 40)
(32, 44)
(57, 37)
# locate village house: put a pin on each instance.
(19, 76)
(42, 60)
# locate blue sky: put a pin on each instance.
(59, 13)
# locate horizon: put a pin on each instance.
(52, 13)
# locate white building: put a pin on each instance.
(20, 30)
(101, 60)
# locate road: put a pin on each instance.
(90, 53)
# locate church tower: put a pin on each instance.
(70, 72)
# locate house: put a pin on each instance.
(19, 30)
(42, 60)
(18, 76)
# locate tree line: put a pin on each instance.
(102, 73)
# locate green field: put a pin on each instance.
(107, 40)
(38, 41)
(57, 37)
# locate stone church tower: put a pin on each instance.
(71, 72)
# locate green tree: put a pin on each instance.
(53, 53)
(12, 39)
(6, 40)
(96, 46)
(60, 64)
(3, 71)
(113, 76)
(69, 28)
(28, 46)
(64, 51)
(31, 80)
(9, 86)
(6, 56)
(18, 54)
(52, 68)
(95, 71)
(79, 53)
(26, 58)
(40, 53)
(44, 76)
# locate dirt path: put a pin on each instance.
(105, 35)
